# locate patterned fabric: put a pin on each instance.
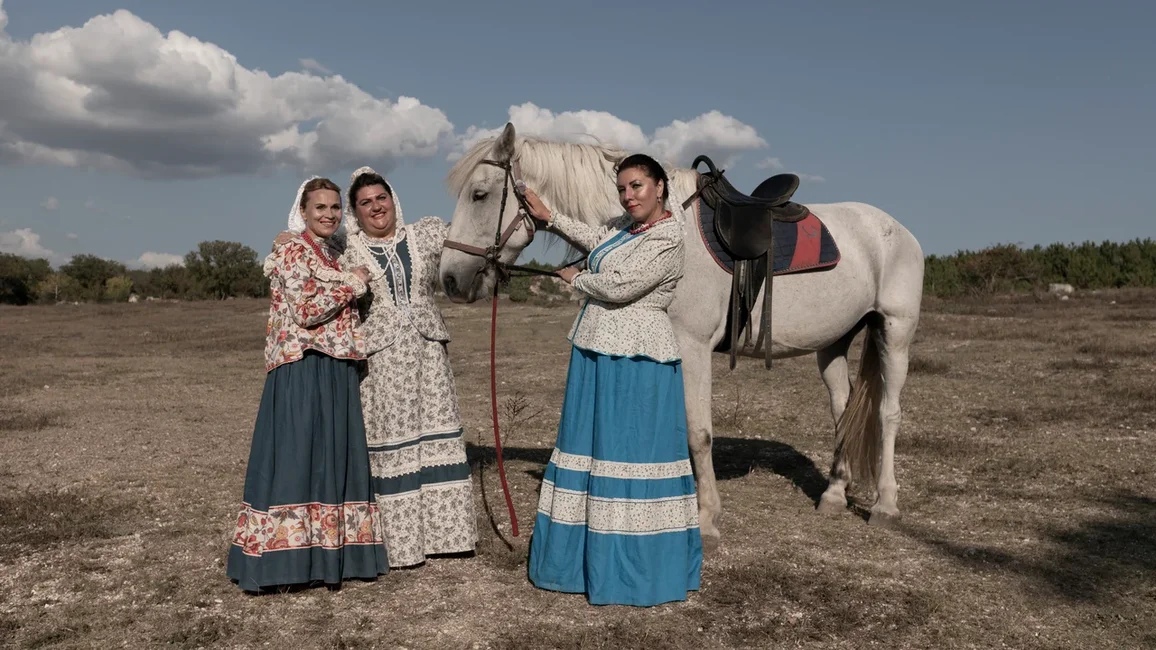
(416, 451)
(617, 513)
(311, 306)
(383, 318)
(629, 284)
(417, 454)
(306, 525)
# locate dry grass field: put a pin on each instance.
(1025, 461)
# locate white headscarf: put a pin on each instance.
(351, 225)
(296, 219)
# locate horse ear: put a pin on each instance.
(504, 145)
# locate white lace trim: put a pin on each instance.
(616, 469)
(619, 516)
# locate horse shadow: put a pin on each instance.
(1104, 559)
(734, 458)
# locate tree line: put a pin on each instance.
(220, 269)
(214, 271)
(1008, 268)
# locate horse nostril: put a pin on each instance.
(450, 284)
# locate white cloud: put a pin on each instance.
(51, 204)
(814, 178)
(24, 242)
(719, 136)
(313, 66)
(71, 236)
(151, 260)
(118, 94)
(769, 163)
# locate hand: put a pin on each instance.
(538, 210)
(362, 273)
(568, 274)
(283, 238)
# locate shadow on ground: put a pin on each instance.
(1106, 557)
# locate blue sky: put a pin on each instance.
(972, 123)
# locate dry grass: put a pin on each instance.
(1024, 460)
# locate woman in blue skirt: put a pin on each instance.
(617, 513)
(309, 514)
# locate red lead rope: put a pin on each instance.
(494, 404)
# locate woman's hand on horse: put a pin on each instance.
(538, 210)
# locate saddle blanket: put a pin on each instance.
(805, 245)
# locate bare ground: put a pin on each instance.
(1025, 466)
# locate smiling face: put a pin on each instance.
(640, 194)
(321, 210)
(376, 213)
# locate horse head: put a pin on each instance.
(487, 210)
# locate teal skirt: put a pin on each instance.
(308, 514)
(618, 515)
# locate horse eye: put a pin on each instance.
(480, 195)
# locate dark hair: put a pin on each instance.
(317, 184)
(367, 180)
(648, 165)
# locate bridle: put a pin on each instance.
(492, 254)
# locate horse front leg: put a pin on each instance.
(696, 369)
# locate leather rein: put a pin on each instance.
(491, 254)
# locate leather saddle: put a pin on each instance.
(745, 227)
(744, 222)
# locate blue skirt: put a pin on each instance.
(617, 515)
(308, 512)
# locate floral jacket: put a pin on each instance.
(312, 305)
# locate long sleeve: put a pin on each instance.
(314, 295)
(434, 229)
(583, 235)
(654, 261)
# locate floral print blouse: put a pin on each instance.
(628, 286)
(312, 304)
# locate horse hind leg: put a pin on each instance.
(898, 334)
(833, 368)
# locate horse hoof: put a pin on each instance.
(829, 505)
(883, 519)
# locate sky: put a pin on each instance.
(133, 130)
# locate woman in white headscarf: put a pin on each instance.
(308, 512)
(417, 454)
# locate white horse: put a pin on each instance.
(877, 284)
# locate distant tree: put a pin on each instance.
(91, 273)
(169, 282)
(57, 287)
(118, 289)
(222, 269)
(19, 276)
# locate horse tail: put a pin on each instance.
(859, 432)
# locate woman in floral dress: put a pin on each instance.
(417, 454)
(308, 513)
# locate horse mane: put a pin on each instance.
(577, 179)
